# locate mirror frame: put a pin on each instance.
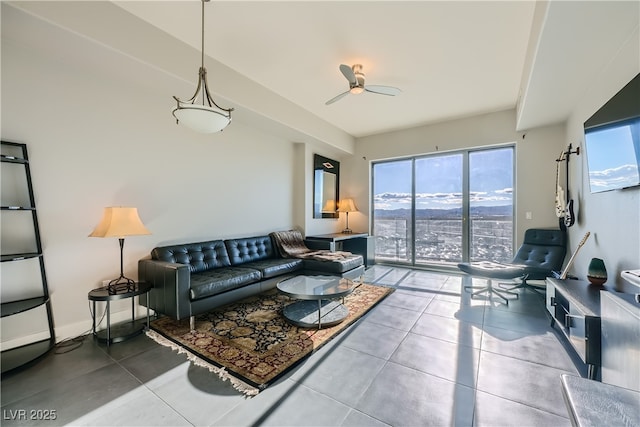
(324, 167)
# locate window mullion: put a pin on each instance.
(466, 220)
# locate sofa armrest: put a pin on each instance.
(170, 283)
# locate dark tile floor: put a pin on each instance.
(428, 355)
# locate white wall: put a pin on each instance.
(535, 166)
(613, 218)
(98, 138)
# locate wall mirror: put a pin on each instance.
(326, 181)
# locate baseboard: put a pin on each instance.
(74, 330)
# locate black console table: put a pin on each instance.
(123, 331)
(356, 243)
(575, 306)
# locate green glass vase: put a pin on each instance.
(597, 273)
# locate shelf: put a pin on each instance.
(17, 208)
(21, 356)
(19, 257)
(15, 307)
(12, 159)
(29, 240)
(122, 332)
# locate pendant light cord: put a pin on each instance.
(202, 40)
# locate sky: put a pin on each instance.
(439, 181)
(612, 159)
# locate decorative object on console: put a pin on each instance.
(346, 206)
(597, 273)
(120, 222)
(208, 117)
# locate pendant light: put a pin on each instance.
(207, 117)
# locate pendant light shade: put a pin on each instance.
(205, 116)
(201, 118)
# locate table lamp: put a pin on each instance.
(120, 222)
(347, 205)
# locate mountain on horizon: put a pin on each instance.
(476, 212)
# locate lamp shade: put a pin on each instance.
(120, 222)
(347, 205)
(201, 118)
(329, 207)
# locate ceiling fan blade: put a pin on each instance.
(348, 73)
(337, 98)
(383, 90)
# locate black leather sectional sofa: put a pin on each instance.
(193, 278)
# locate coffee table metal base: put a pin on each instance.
(315, 314)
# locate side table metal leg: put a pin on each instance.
(319, 314)
(147, 316)
(133, 310)
(93, 315)
(108, 323)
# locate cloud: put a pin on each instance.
(442, 200)
(619, 177)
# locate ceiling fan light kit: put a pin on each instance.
(207, 117)
(355, 77)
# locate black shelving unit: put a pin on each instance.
(16, 153)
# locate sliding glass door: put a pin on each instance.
(392, 210)
(491, 205)
(438, 213)
(443, 209)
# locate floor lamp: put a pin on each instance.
(120, 222)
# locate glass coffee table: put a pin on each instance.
(319, 305)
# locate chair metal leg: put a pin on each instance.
(489, 289)
(523, 285)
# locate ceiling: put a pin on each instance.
(451, 59)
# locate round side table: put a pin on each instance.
(125, 330)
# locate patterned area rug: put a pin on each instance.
(250, 343)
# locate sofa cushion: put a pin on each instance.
(199, 256)
(275, 267)
(213, 282)
(334, 266)
(249, 249)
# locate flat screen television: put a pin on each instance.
(612, 141)
(613, 155)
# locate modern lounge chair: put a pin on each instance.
(541, 253)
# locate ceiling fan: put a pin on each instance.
(355, 76)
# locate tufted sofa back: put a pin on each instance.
(249, 249)
(199, 257)
(542, 248)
